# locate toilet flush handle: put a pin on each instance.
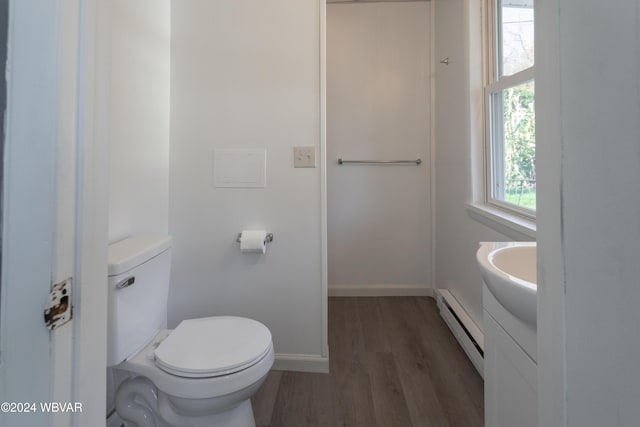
(125, 283)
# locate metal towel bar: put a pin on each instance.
(380, 162)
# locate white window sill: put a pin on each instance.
(513, 226)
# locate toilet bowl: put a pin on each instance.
(202, 373)
(194, 379)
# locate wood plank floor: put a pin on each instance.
(393, 362)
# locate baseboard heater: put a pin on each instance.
(467, 333)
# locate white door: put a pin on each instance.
(54, 215)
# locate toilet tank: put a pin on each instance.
(139, 270)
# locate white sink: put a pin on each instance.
(509, 271)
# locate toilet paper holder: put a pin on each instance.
(268, 238)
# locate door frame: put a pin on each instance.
(92, 192)
(56, 207)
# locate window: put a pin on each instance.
(510, 106)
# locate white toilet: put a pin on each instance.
(203, 373)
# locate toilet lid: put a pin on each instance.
(213, 346)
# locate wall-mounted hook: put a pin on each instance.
(445, 61)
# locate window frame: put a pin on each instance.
(494, 83)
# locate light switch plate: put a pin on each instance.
(304, 157)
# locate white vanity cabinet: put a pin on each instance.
(510, 370)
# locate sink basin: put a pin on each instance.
(509, 271)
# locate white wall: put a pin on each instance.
(246, 74)
(457, 233)
(378, 107)
(590, 112)
(139, 114)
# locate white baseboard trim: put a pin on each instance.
(380, 290)
(466, 332)
(301, 363)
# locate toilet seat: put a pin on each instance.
(213, 346)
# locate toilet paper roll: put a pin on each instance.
(253, 241)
